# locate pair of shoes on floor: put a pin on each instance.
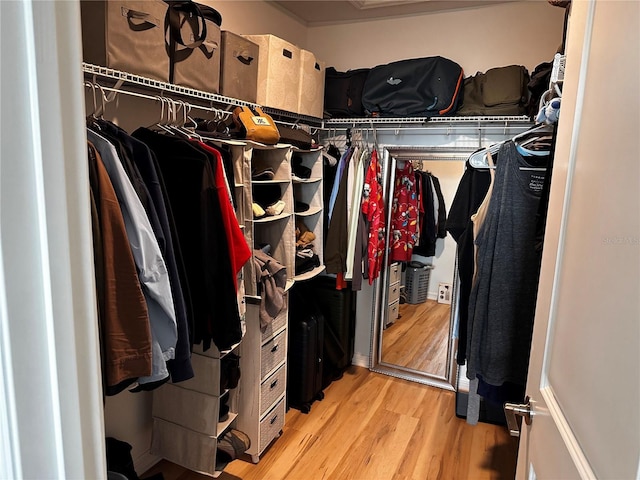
(232, 444)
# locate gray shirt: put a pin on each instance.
(502, 302)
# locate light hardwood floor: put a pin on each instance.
(375, 427)
(418, 339)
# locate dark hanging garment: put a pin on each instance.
(141, 159)
(502, 301)
(122, 310)
(471, 191)
(194, 201)
(442, 209)
(428, 221)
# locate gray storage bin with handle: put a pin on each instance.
(194, 46)
(126, 36)
(417, 282)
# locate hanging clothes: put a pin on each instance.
(404, 214)
(373, 210)
(125, 335)
(335, 252)
(432, 214)
(471, 190)
(239, 251)
(194, 199)
(143, 167)
(502, 301)
(150, 264)
(354, 210)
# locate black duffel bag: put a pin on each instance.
(418, 87)
(343, 92)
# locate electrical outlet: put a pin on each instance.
(444, 293)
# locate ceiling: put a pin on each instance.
(312, 13)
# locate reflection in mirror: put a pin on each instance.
(416, 332)
(416, 336)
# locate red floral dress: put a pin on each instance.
(404, 214)
(373, 210)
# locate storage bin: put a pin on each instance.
(312, 73)
(126, 36)
(239, 67)
(278, 72)
(197, 67)
(417, 282)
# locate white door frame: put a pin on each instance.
(51, 418)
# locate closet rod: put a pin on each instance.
(156, 98)
(150, 83)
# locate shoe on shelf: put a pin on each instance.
(276, 208)
(258, 211)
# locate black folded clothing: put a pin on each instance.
(304, 265)
(300, 207)
(299, 170)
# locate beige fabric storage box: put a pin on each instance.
(126, 36)
(239, 67)
(311, 97)
(278, 72)
(199, 67)
(193, 410)
(185, 447)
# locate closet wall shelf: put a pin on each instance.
(426, 125)
(310, 274)
(306, 180)
(122, 78)
(272, 218)
(310, 212)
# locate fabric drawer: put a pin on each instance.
(206, 377)
(392, 311)
(279, 322)
(193, 410)
(273, 353)
(394, 292)
(187, 448)
(272, 388)
(271, 425)
(394, 273)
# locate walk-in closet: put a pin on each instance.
(219, 261)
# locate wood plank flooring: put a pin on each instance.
(419, 337)
(376, 427)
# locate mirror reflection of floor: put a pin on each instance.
(418, 339)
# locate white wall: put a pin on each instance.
(523, 33)
(258, 17)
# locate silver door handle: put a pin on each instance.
(514, 410)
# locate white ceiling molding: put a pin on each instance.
(366, 4)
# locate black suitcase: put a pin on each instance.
(418, 87)
(305, 355)
(338, 310)
(343, 92)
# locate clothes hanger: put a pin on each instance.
(479, 159)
